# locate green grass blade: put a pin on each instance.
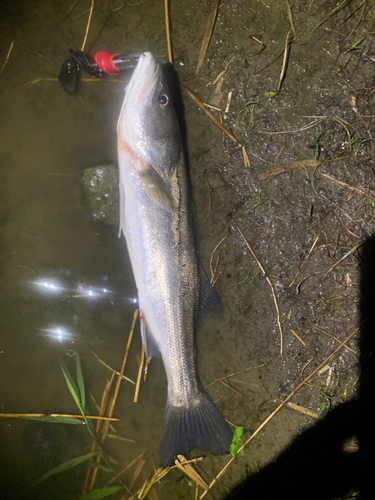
(71, 386)
(100, 466)
(80, 382)
(102, 493)
(69, 464)
(58, 420)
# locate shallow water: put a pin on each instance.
(66, 281)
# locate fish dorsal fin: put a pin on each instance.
(156, 188)
(209, 302)
(150, 345)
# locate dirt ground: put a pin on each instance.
(288, 238)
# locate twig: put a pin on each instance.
(103, 406)
(344, 184)
(304, 411)
(212, 256)
(136, 392)
(235, 373)
(189, 470)
(290, 15)
(88, 25)
(218, 124)
(167, 29)
(7, 57)
(113, 436)
(312, 124)
(286, 400)
(28, 49)
(330, 335)
(343, 258)
(56, 415)
(136, 473)
(112, 370)
(304, 262)
(227, 384)
(209, 201)
(117, 388)
(285, 59)
(298, 337)
(207, 34)
(283, 169)
(268, 281)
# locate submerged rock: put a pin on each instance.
(99, 193)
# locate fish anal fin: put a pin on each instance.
(209, 301)
(150, 345)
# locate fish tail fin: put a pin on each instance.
(200, 426)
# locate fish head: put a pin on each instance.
(147, 122)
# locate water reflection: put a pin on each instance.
(59, 334)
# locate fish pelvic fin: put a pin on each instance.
(200, 427)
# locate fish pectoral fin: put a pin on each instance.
(150, 345)
(156, 188)
(209, 302)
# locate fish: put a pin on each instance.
(173, 290)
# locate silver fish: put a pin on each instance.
(156, 220)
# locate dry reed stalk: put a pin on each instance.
(212, 256)
(88, 25)
(136, 392)
(7, 57)
(344, 184)
(114, 398)
(226, 384)
(167, 30)
(235, 373)
(283, 403)
(269, 283)
(330, 335)
(304, 411)
(189, 470)
(113, 436)
(304, 262)
(207, 34)
(298, 337)
(213, 118)
(343, 258)
(56, 415)
(103, 405)
(285, 59)
(112, 370)
(117, 388)
(136, 473)
(126, 468)
(283, 169)
(290, 15)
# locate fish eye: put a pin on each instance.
(163, 100)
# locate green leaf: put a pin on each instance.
(270, 94)
(102, 493)
(100, 466)
(236, 441)
(69, 464)
(80, 382)
(71, 386)
(58, 420)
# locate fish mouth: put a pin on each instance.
(143, 83)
